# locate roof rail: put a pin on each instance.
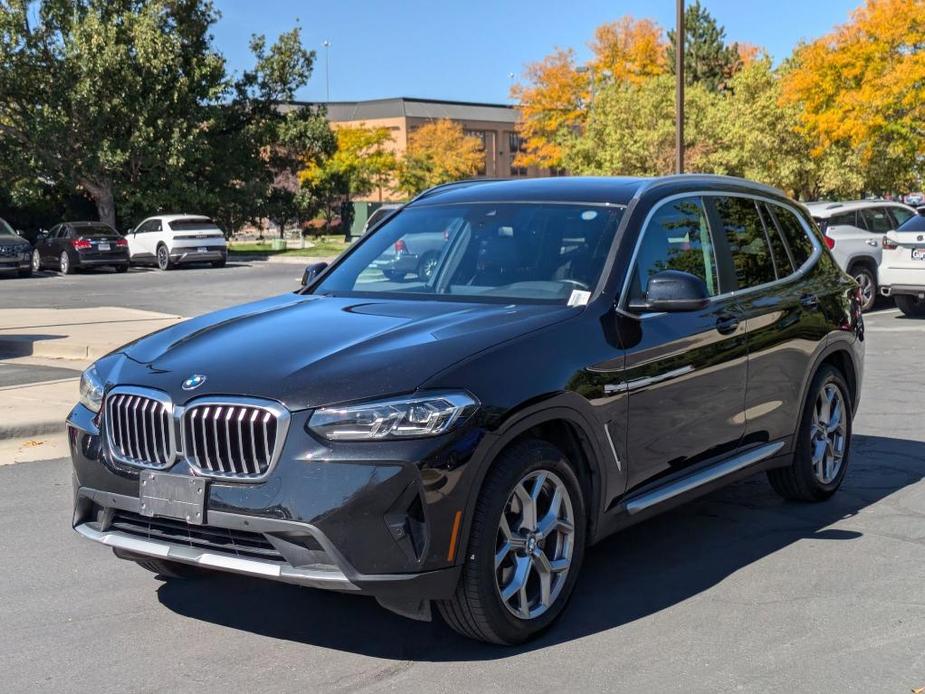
(673, 178)
(464, 182)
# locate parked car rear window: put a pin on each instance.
(751, 254)
(96, 232)
(801, 248)
(194, 224)
(676, 238)
(531, 252)
(901, 215)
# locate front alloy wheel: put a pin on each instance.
(525, 547)
(536, 535)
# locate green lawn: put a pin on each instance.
(324, 247)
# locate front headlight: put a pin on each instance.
(424, 415)
(91, 389)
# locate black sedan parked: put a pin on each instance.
(15, 251)
(71, 246)
(585, 353)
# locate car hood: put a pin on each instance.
(308, 351)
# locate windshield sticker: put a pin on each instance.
(579, 298)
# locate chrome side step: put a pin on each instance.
(702, 477)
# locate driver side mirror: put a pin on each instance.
(672, 291)
(312, 272)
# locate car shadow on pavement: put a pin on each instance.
(638, 572)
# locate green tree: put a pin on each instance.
(128, 102)
(630, 130)
(708, 59)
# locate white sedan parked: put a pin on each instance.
(173, 239)
(902, 266)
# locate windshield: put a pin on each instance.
(6, 229)
(491, 251)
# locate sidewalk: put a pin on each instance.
(82, 333)
(72, 338)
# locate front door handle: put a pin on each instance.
(810, 301)
(726, 325)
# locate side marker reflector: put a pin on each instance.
(451, 554)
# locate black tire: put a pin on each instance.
(393, 275)
(219, 263)
(426, 266)
(64, 264)
(162, 567)
(162, 258)
(798, 481)
(910, 305)
(25, 271)
(867, 280)
(476, 609)
(122, 268)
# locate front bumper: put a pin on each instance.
(321, 519)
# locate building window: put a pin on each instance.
(515, 144)
(482, 137)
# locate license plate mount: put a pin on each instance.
(180, 497)
(918, 253)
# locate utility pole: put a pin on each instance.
(327, 70)
(679, 87)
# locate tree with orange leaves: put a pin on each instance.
(863, 86)
(629, 50)
(439, 152)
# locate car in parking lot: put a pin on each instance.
(15, 252)
(177, 239)
(902, 267)
(587, 352)
(853, 231)
(72, 246)
(379, 215)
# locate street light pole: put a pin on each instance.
(327, 71)
(679, 87)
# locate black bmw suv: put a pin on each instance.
(586, 352)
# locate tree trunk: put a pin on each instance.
(101, 193)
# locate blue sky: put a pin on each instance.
(467, 50)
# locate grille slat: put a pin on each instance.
(130, 437)
(234, 542)
(230, 440)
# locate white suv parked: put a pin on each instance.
(853, 231)
(902, 269)
(171, 239)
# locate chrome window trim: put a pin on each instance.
(151, 394)
(798, 272)
(283, 419)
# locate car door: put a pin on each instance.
(780, 308)
(50, 250)
(685, 372)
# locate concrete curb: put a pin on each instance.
(48, 349)
(30, 429)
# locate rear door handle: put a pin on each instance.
(809, 301)
(726, 325)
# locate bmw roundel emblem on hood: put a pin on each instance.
(193, 382)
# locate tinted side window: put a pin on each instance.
(878, 220)
(844, 219)
(782, 261)
(676, 238)
(748, 244)
(901, 215)
(801, 248)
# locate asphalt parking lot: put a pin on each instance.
(186, 291)
(739, 591)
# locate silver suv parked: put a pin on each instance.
(853, 231)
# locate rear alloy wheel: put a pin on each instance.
(122, 268)
(910, 305)
(868, 285)
(36, 260)
(427, 266)
(64, 263)
(525, 547)
(163, 258)
(823, 442)
(219, 263)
